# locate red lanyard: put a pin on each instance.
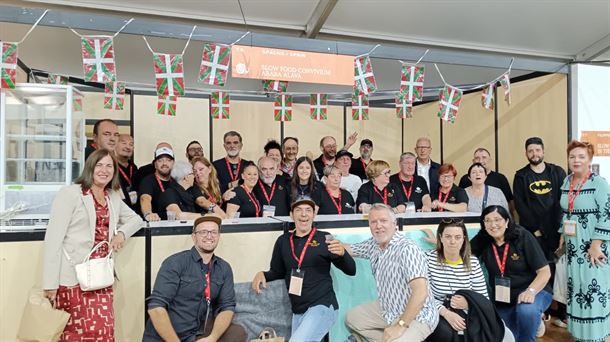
(337, 205)
(267, 197)
(572, 196)
(440, 195)
(257, 205)
(159, 182)
(408, 194)
(208, 289)
(128, 179)
(300, 260)
(233, 177)
(385, 194)
(501, 264)
(363, 163)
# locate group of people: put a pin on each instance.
(431, 296)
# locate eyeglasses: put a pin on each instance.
(212, 233)
(452, 221)
(446, 177)
(195, 149)
(422, 147)
(387, 173)
(493, 221)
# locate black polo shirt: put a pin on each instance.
(417, 188)
(493, 179)
(358, 168)
(142, 172)
(126, 175)
(328, 207)
(150, 186)
(226, 176)
(305, 191)
(179, 289)
(278, 195)
(319, 165)
(367, 194)
(456, 195)
(196, 192)
(176, 194)
(246, 206)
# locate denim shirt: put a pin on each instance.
(179, 288)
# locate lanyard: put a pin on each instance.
(572, 196)
(159, 182)
(501, 264)
(337, 205)
(208, 289)
(440, 195)
(363, 163)
(257, 205)
(485, 197)
(267, 197)
(300, 259)
(385, 194)
(233, 177)
(407, 194)
(128, 179)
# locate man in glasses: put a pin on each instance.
(425, 166)
(194, 296)
(194, 149)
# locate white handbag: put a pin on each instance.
(95, 274)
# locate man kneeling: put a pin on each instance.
(194, 297)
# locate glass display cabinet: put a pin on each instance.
(42, 139)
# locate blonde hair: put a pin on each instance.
(373, 170)
(213, 186)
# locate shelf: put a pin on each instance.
(36, 137)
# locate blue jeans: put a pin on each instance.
(523, 319)
(314, 324)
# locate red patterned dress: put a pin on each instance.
(91, 312)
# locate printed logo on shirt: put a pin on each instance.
(314, 243)
(280, 187)
(418, 190)
(541, 187)
(452, 199)
(515, 257)
(391, 194)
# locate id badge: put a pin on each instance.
(133, 197)
(268, 210)
(296, 282)
(569, 227)
(410, 207)
(502, 289)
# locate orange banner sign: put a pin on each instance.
(600, 141)
(290, 65)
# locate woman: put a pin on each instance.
(518, 272)
(379, 189)
(245, 201)
(290, 148)
(273, 150)
(481, 195)
(83, 215)
(449, 197)
(304, 182)
(206, 189)
(451, 268)
(334, 200)
(585, 199)
(176, 198)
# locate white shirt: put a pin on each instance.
(424, 171)
(351, 183)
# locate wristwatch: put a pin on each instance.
(211, 207)
(402, 324)
(532, 290)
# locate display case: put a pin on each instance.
(42, 146)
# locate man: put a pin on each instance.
(414, 187)
(328, 146)
(124, 155)
(303, 260)
(402, 313)
(425, 166)
(147, 169)
(229, 167)
(349, 182)
(272, 190)
(105, 135)
(194, 288)
(194, 149)
(482, 156)
(359, 165)
(154, 185)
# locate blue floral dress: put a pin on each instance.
(588, 285)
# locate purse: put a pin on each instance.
(39, 321)
(268, 335)
(95, 274)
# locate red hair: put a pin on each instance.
(581, 144)
(447, 168)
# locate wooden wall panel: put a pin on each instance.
(424, 123)
(309, 131)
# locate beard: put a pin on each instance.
(268, 180)
(366, 155)
(233, 153)
(536, 162)
(164, 173)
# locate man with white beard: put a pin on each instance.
(229, 167)
(271, 191)
(359, 165)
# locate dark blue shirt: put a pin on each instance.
(179, 288)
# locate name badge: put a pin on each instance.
(410, 207)
(268, 210)
(133, 197)
(502, 286)
(296, 282)
(569, 227)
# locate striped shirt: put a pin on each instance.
(445, 278)
(393, 268)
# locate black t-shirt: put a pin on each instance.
(142, 172)
(176, 194)
(358, 168)
(88, 150)
(493, 179)
(278, 194)
(196, 192)
(540, 191)
(368, 193)
(224, 177)
(524, 257)
(150, 186)
(328, 206)
(247, 208)
(304, 190)
(126, 175)
(319, 165)
(417, 188)
(456, 195)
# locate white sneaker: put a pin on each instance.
(541, 329)
(559, 323)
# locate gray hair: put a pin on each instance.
(328, 169)
(407, 155)
(381, 206)
(181, 169)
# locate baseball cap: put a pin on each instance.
(343, 153)
(303, 200)
(164, 151)
(208, 218)
(366, 142)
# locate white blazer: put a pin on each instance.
(72, 226)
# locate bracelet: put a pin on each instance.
(532, 290)
(146, 215)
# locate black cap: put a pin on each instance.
(343, 153)
(366, 142)
(303, 200)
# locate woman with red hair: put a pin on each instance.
(449, 197)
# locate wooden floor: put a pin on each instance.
(555, 334)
